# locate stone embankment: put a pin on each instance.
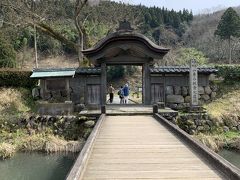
(194, 123)
(201, 122)
(45, 133)
(178, 97)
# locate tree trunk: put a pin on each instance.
(35, 46)
(80, 48)
(80, 40)
(230, 50)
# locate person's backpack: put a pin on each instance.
(119, 92)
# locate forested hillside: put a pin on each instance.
(58, 35)
(201, 36)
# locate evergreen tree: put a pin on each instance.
(7, 54)
(228, 27)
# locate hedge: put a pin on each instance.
(16, 78)
(229, 72)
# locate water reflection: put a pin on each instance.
(37, 166)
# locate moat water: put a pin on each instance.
(37, 166)
(40, 166)
(231, 156)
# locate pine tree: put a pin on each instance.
(228, 27)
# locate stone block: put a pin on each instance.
(200, 128)
(173, 106)
(36, 92)
(180, 106)
(213, 95)
(200, 90)
(186, 105)
(207, 127)
(187, 99)
(175, 99)
(231, 121)
(169, 90)
(177, 90)
(205, 97)
(198, 122)
(89, 124)
(238, 127)
(185, 91)
(208, 90)
(192, 132)
(200, 103)
(225, 129)
(234, 128)
(214, 88)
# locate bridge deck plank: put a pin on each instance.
(133, 147)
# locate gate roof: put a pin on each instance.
(125, 43)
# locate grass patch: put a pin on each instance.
(231, 135)
(15, 103)
(227, 104)
(218, 140)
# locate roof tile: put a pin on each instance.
(181, 69)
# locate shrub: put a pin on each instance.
(16, 78)
(184, 56)
(229, 72)
(6, 150)
(7, 54)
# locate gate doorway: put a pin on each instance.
(127, 82)
(126, 47)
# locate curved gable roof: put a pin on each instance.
(126, 37)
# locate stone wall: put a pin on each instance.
(194, 123)
(178, 97)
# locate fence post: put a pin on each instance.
(103, 109)
(155, 108)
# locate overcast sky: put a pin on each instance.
(198, 6)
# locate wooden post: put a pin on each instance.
(103, 109)
(146, 84)
(103, 83)
(155, 109)
(164, 89)
(86, 100)
(68, 89)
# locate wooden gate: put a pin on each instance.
(93, 94)
(157, 93)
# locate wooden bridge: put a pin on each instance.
(146, 147)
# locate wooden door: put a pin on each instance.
(93, 94)
(157, 93)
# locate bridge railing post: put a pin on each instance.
(155, 108)
(103, 109)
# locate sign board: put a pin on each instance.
(193, 83)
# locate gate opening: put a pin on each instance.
(124, 84)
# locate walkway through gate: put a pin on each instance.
(126, 47)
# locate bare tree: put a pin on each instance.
(22, 13)
(80, 26)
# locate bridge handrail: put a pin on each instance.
(79, 165)
(223, 166)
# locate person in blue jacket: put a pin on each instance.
(126, 91)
